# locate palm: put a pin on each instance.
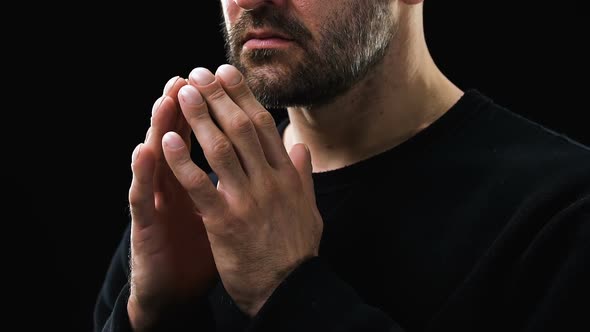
(181, 257)
(171, 254)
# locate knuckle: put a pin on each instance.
(136, 202)
(221, 148)
(241, 93)
(238, 224)
(198, 113)
(134, 210)
(269, 188)
(263, 119)
(241, 124)
(217, 94)
(269, 183)
(197, 180)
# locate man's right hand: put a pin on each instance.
(171, 260)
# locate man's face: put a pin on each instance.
(306, 52)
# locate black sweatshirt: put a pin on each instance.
(480, 222)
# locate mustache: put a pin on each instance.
(268, 18)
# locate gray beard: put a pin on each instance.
(349, 46)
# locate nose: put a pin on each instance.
(253, 4)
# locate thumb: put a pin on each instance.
(301, 158)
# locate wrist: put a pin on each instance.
(252, 301)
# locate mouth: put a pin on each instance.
(266, 39)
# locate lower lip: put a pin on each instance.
(267, 43)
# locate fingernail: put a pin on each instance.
(190, 95)
(170, 84)
(157, 104)
(229, 74)
(201, 76)
(172, 140)
(135, 152)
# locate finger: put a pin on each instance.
(147, 134)
(183, 129)
(172, 86)
(197, 183)
(233, 120)
(301, 158)
(270, 139)
(163, 120)
(165, 112)
(171, 89)
(216, 146)
(141, 191)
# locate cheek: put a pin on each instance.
(313, 8)
(306, 8)
(311, 12)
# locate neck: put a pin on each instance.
(404, 94)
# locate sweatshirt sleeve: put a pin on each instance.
(552, 274)
(110, 310)
(313, 298)
(549, 282)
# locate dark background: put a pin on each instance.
(99, 71)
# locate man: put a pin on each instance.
(388, 199)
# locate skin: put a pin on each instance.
(261, 221)
(163, 253)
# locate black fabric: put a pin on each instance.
(480, 222)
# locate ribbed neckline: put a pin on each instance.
(407, 152)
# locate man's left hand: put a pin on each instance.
(262, 219)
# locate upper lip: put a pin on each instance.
(265, 34)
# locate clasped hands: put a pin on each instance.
(252, 229)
